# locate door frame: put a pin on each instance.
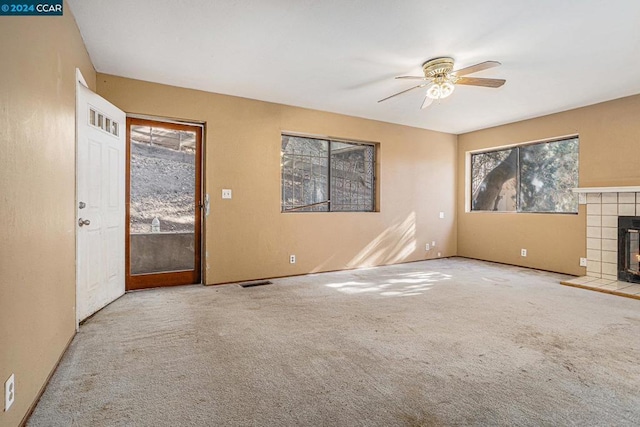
(153, 280)
(79, 81)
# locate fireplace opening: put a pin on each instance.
(629, 249)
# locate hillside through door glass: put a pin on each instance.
(164, 204)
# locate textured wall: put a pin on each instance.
(37, 191)
(609, 140)
(248, 238)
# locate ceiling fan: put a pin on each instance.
(440, 80)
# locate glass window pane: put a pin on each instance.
(633, 252)
(304, 174)
(352, 177)
(548, 172)
(493, 181)
(162, 211)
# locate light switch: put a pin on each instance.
(226, 193)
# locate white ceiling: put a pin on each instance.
(341, 55)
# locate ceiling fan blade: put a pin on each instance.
(475, 68)
(427, 101)
(412, 78)
(404, 91)
(479, 81)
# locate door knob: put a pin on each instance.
(82, 205)
(82, 222)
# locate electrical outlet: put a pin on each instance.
(9, 392)
(292, 259)
(226, 193)
(441, 215)
(523, 252)
(426, 247)
(433, 244)
(583, 262)
(439, 254)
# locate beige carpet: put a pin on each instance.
(451, 342)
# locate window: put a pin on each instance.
(323, 175)
(529, 178)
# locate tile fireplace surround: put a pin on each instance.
(603, 209)
(604, 205)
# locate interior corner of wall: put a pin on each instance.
(80, 78)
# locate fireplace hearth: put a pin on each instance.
(629, 249)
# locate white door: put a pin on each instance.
(100, 198)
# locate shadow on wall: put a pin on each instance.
(392, 246)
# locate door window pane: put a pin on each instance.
(162, 197)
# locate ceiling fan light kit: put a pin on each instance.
(440, 90)
(440, 79)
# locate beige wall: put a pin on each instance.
(39, 56)
(609, 141)
(248, 238)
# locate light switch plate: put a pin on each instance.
(441, 215)
(583, 262)
(226, 193)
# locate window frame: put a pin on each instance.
(330, 140)
(469, 180)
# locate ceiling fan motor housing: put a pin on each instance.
(437, 67)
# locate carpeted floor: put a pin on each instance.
(451, 342)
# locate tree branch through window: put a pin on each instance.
(530, 178)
